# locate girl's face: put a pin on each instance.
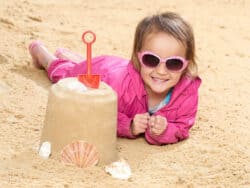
(159, 80)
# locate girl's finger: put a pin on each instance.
(140, 129)
(160, 119)
(155, 131)
(160, 125)
(152, 120)
(143, 121)
(142, 125)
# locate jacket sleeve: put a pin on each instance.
(123, 128)
(179, 129)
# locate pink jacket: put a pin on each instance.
(132, 97)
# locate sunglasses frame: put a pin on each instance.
(163, 60)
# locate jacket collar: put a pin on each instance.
(185, 86)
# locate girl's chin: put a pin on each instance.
(159, 90)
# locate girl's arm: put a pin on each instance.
(179, 129)
(123, 127)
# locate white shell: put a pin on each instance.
(119, 169)
(45, 150)
(73, 85)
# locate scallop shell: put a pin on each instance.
(80, 153)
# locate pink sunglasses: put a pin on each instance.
(173, 64)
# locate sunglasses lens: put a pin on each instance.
(174, 64)
(150, 60)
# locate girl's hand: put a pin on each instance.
(140, 123)
(157, 124)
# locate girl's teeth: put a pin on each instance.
(158, 80)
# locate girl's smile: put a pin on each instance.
(157, 80)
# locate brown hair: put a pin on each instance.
(172, 24)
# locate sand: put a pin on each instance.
(216, 154)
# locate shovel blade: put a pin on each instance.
(92, 80)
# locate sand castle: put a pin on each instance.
(75, 113)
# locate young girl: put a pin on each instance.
(157, 89)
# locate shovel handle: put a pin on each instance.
(89, 37)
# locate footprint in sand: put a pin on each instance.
(6, 22)
(34, 18)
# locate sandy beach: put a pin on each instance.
(217, 154)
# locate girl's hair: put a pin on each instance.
(172, 24)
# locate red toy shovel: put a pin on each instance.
(90, 80)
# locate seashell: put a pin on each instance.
(119, 169)
(80, 153)
(45, 150)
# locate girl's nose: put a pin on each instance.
(161, 68)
